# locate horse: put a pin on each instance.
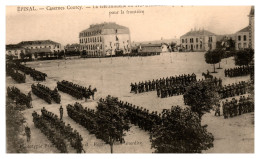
(90, 93)
(207, 76)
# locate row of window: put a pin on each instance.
(191, 47)
(239, 37)
(36, 47)
(240, 45)
(90, 40)
(92, 47)
(93, 33)
(191, 40)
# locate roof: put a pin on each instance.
(252, 11)
(151, 45)
(40, 50)
(95, 27)
(37, 42)
(13, 46)
(198, 33)
(246, 29)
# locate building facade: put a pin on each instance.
(14, 50)
(39, 44)
(242, 38)
(245, 37)
(39, 48)
(105, 39)
(252, 27)
(198, 40)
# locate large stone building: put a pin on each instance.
(14, 50)
(198, 40)
(242, 38)
(245, 36)
(39, 44)
(38, 48)
(105, 39)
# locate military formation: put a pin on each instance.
(46, 93)
(76, 90)
(235, 89)
(57, 131)
(36, 75)
(18, 77)
(83, 116)
(162, 82)
(19, 97)
(236, 107)
(140, 116)
(238, 71)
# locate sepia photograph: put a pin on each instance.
(137, 79)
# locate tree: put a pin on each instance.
(181, 132)
(172, 46)
(201, 96)
(221, 52)
(244, 57)
(213, 57)
(111, 120)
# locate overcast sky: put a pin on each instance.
(156, 22)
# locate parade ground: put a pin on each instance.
(113, 76)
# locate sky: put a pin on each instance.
(153, 23)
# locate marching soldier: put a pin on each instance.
(61, 112)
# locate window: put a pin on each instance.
(100, 39)
(182, 40)
(239, 38)
(197, 40)
(245, 45)
(239, 45)
(244, 37)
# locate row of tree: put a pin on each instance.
(242, 57)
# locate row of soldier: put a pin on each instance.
(140, 116)
(238, 71)
(41, 93)
(235, 89)
(54, 94)
(18, 77)
(236, 107)
(180, 89)
(87, 118)
(19, 97)
(74, 90)
(57, 131)
(168, 81)
(35, 74)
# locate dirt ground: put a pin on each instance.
(113, 77)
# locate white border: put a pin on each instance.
(133, 2)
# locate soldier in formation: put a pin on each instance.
(234, 89)
(57, 131)
(238, 71)
(237, 107)
(76, 90)
(41, 92)
(18, 77)
(162, 82)
(19, 97)
(140, 116)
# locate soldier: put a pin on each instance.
(61, 112)
(217, 112)
(28, 133)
